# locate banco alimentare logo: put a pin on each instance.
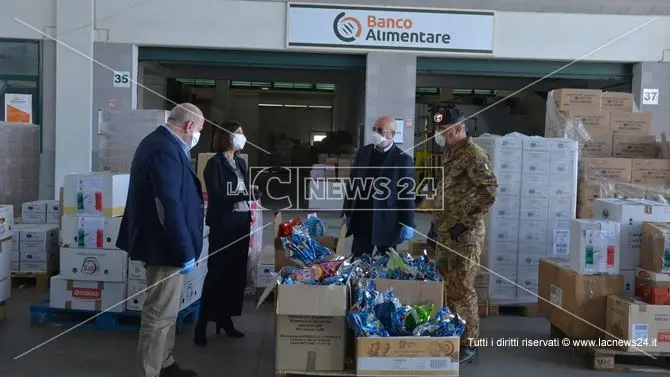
(347, 28)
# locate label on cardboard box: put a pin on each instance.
(555, 295)
(415, 356)
(617, 101)
(310, 343)
(606, 169)
(591, 120)
(650, 172)
(568, 99)
(634, 146)
(630, 123)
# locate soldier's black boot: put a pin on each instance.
(468, 355)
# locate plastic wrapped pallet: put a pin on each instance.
(121, 131)
(20, 167)
(616, 149)
(537, 179)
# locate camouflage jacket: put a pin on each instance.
(468, 188)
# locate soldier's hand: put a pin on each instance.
(456, 231)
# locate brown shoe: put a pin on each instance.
(175, 371)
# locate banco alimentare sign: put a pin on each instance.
(375, 28)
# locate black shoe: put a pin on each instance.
(175, 371)
(468, 355)
(200, 336)
(228, 328)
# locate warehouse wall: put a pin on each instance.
(237, 24)
(640, 7)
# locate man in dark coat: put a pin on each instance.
(163, 227)
(380, 192)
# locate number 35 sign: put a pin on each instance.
(650, 96)
(121, 79)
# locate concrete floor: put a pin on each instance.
(91, 353)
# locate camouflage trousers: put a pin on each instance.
(458, 266)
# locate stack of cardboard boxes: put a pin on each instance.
(35, 241)
(537, 179)
(617, 148)
(614, 257)
(93, 272)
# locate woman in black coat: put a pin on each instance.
(229, 222)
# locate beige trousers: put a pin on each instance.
(159, 318)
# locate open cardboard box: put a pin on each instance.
(333, 243)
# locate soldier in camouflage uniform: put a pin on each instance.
(465, 195)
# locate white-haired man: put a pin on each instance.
(379, 205)
(162, 226)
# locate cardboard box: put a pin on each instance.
(592, 120)
(630, 214)
(652, 287)
(634, 146)
(93, 264)
(594, 247)
(136, 294)
(90, 232)
(40, 212)
(606, 169)
(630, 123)
(598, 145)
(617, 101)
(311, 327)
(650, 172)
(414, 292)
(333, 243)
(37, 247)
(6, 221)
(407, 356)
(655, 247)
(569, 99)
(584, 297)
(86, 295)
(95, 194)
(632, 319)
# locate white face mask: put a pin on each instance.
(195, 137)
(239, 141)
(440, 140)
(377, 139)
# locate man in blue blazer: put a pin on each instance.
(163, 227)
(380, 193)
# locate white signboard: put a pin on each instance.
(121, 79)
(650, 96)
(375, 28)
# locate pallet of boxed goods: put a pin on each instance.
(537, 189)
(523, 310)
(126, 320)
(613, 359)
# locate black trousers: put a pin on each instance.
(363, 246)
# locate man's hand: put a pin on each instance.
(188, 267)
(456, 232)
(406, 233)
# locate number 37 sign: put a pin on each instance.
(649, 96)
(121, 79)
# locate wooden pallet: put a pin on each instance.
(25, 279)
(43, 314)
(616, 360)
(315, 374)
(489, 309)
